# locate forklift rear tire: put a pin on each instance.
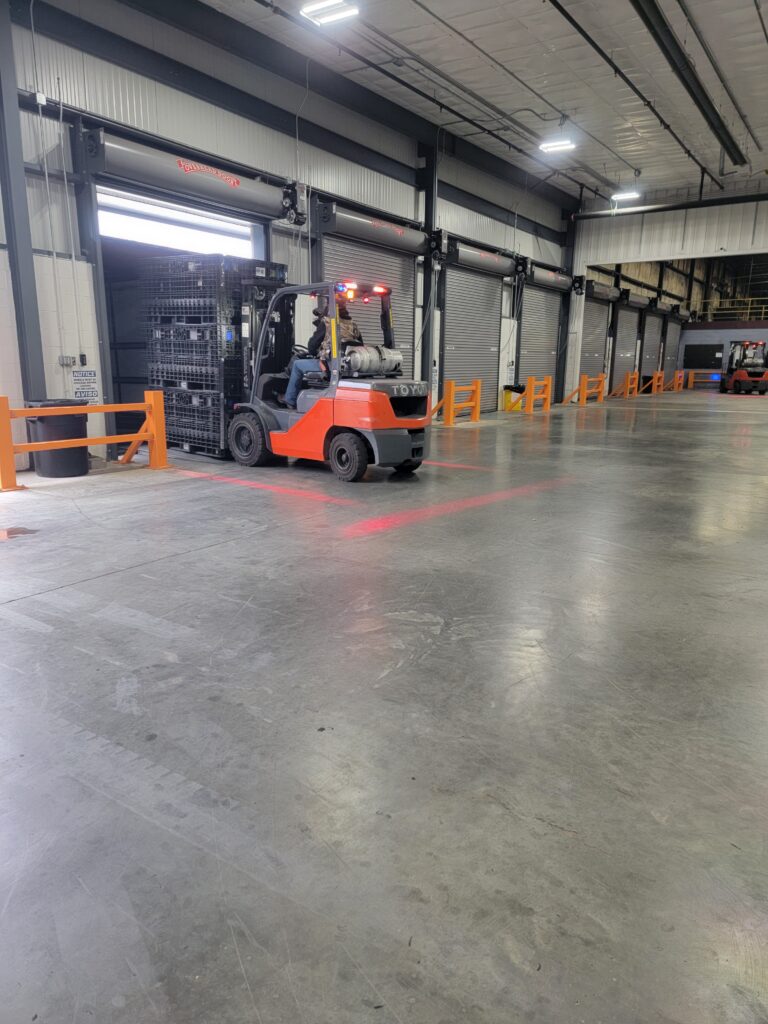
(348, 457)
(409, 466)
(737, 387)
(247, 440)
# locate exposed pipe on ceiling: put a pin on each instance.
(521, 81)
(690, 204)
(307, 26)
(718, 70)
(628, 82)
(653, 18)
(522, 130)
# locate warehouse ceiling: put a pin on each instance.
(510, 75)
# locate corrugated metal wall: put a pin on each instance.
(502, 193)
(107, 90)
(666, 236)
(595, 337)
(468, 224)
(10, 370)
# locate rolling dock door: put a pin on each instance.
(671, 347)
(472, 331)
(594, 339)
(625, 345)
(651, 344)
(540, 323)
(375, 252)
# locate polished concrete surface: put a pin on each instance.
(486, 745)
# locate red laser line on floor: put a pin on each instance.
(293, 492)
(380, 524)
(458, 465)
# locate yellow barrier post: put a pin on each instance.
(448, 402)
(8, 480)
(657, 384)
(158, 452)
(477, 390)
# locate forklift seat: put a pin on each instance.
(307, 399)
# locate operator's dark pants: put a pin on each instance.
(299, 368)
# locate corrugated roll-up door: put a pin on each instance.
(292, 249)
(672, 346)
(594, 337)
(625, 345)
(651, 345)
(345, 260)
(472, 332)
(539, 333)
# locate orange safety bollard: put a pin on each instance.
(152, 431)
(538, 391)
(8, 480)
(158, 452)
(448, 402)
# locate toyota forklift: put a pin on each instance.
(355, 412)
(746, 370)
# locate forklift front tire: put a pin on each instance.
(248, 440)
(348, 456)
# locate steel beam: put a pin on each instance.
(17, 224)
(654, 20)
(429, 186)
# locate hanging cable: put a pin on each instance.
(44, 161)
(70, 224)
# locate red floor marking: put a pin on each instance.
(293, 492)
(380, 524)
(458, 465)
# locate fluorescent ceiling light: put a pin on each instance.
(619, 197)
(557, 146)
(326, 11)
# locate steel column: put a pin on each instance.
(17, 225)
(427, 181)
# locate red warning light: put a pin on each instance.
(366, 300)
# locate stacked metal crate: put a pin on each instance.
(197, 310)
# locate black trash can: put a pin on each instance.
(62, 461)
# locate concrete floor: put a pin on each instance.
(487, 745)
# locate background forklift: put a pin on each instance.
(746, 370)
(359, 412)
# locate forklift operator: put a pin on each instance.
(319, 347)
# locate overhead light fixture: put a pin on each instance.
(619, 197)
(557, 146)
(326, 11)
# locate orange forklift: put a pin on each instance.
(746, 370)
(355, 412)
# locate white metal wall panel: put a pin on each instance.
(102, 88)
(503, 193)
(671, 348)
(681, 234)
(472, 331)
(198, 53)
(40, 135)
(625, 345)
(343, 258)
(539, 333)
(10, 367)
(291, 248)
(40, 221)
(651, 344)
(458, 220)
(60, 68)
(594, 337)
